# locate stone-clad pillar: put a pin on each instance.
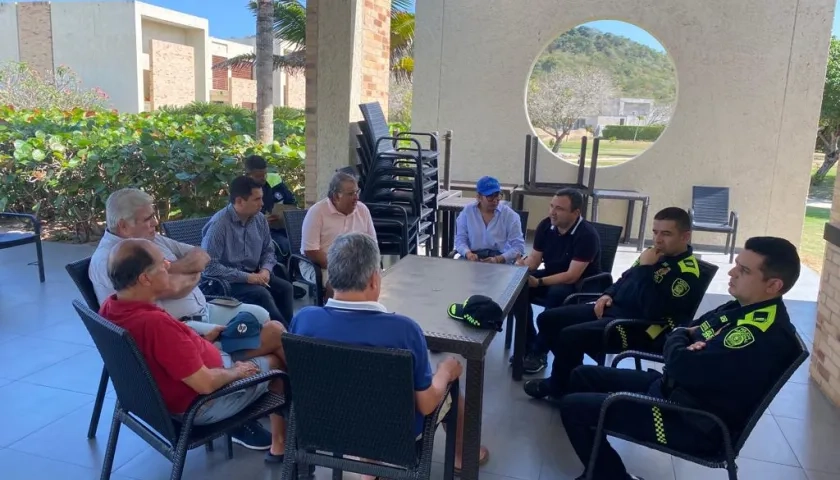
(347, 45)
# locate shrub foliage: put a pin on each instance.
(63, 164)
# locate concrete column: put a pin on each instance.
(343, 37)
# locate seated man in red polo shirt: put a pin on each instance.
(182, 363)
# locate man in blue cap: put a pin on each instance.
(488, 230)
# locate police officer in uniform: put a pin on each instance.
(257, 168)
(663, 286)
(725, 362)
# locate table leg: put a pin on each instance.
(520, 314)
(436, 236)
(446, 233)
(642, 225)
(473, 406)
(594, 217)
(628, 222)
(452, 217)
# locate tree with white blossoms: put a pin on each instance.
(557, 99)
(660, 113)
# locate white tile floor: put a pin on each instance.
(49, 371)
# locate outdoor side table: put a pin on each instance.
(422, 288)
(631, 196)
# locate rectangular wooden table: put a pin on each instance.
(422, 288)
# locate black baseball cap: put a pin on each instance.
(479, 311)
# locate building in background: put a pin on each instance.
(143, 56)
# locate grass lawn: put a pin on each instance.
(812, 246)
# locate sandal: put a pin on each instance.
(483, 457)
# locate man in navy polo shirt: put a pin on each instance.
(354, 316)
(570, 248)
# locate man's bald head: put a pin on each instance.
(130, 259)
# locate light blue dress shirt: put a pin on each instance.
(503, 233)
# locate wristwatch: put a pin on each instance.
(539, 282)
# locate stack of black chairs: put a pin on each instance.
(398, 176)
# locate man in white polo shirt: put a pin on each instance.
(341, 212)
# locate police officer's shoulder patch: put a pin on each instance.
(738, 337)
(679, 288)
(660, 274)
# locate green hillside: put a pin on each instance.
(637, 70)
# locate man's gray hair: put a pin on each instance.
(352, 260)
(338, 179)
(123, 205)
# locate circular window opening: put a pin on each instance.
(607, 79)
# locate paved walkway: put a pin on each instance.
(49, 371)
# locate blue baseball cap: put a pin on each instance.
(241, 333)
(487, 186)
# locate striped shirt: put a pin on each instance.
(237, 248)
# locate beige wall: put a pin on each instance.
(242, 90)
(8, 33)
(172, 74)
(295, 94)
(191, 33)
(35, 36)
(109, 59)
(750, 77)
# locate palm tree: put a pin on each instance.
(265, 71)
(290, 27)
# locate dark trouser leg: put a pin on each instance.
(552, 298)
(257, 295)
(569, 338)
(283, 294)
(581, 409)
(553, 320)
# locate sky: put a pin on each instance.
(231, 18)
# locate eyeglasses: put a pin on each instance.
(493, 196)
(353, 193)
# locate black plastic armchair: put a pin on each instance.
(78, 271)
(610, 237)
(15, 239)
(353, 401)
(294, 231)
(189, 231)
(710, 212)
(732, 442)
(140, 406)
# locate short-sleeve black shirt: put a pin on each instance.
(581, 243)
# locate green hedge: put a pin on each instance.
(630, 132)
(63, 165)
